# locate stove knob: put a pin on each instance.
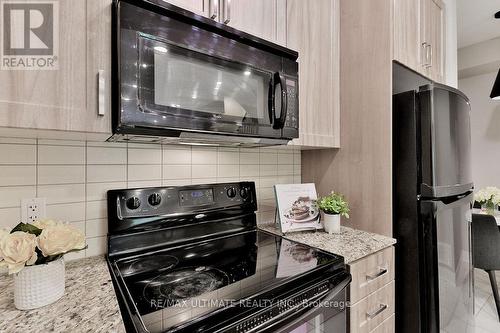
(244, 192)
(133, 203)
(154, 199)
(231, 192)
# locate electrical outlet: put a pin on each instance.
(32, 209)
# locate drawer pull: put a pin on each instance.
(376, 275)
(380, 309)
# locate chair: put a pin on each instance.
(486, 249)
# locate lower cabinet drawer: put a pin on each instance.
(370, 312)
(388, 326)
(371, 273)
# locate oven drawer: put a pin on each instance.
(371, 273)
(369, 313)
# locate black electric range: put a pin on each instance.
(190, 259)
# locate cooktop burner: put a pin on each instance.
(148, 264)
(185, 283)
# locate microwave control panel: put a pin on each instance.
(292, 115)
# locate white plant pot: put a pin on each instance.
(331, 223)
(40, 285)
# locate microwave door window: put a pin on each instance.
(194, 85)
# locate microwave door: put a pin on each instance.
(188, 90)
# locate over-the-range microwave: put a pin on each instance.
(179, 77)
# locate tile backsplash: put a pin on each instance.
(74, 176)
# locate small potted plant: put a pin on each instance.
(489, 199)
(333, 206)
(33, 253)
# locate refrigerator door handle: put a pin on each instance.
(444, 191)
(440, 204)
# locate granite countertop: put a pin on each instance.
(89, 304)
(352, 244)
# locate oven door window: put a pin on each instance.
(193, 89)
(321, 323)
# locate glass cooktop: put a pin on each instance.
(172, 286)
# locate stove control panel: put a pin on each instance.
(163, 201)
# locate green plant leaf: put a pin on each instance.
(26, 227)
(334, 204)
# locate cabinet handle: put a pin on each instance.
(374, 313)
(101, 93)
(214, 4)
(227, 11)
(430, 55)
(423, 56)
(371, 277)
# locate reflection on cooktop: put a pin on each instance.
(213, 272)
(160, 262)
(184, 283)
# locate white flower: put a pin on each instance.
(59, 239)
(488, 194)
(42, 224)
(17, 249)
(3, 233)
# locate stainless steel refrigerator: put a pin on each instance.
(431, 217)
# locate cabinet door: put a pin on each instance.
(406, 35)
(433, 36)
(98, 59)
(313, 30)
(262, 18)
(200, 7)
(51, 99)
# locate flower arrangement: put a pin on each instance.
(489, 198)
(38, 243)
(334, 204)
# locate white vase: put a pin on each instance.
(331, 223)
(40, 285)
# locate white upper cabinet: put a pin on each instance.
(63, 96)
(407, 45)
(313, 29)
(262, 18)
(419, 29)
(200, 7)
(433, 38)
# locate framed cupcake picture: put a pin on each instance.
(296, 205)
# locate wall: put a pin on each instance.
(362, 168)
(74, 176)
(451, 43)
(485, 127)
(478, 65)
(480, 58)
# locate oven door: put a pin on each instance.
(325, 318)
(181, 89)
(327, 314)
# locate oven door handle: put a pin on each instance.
(329, 296)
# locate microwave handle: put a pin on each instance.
(279, 123)
(270, 101)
